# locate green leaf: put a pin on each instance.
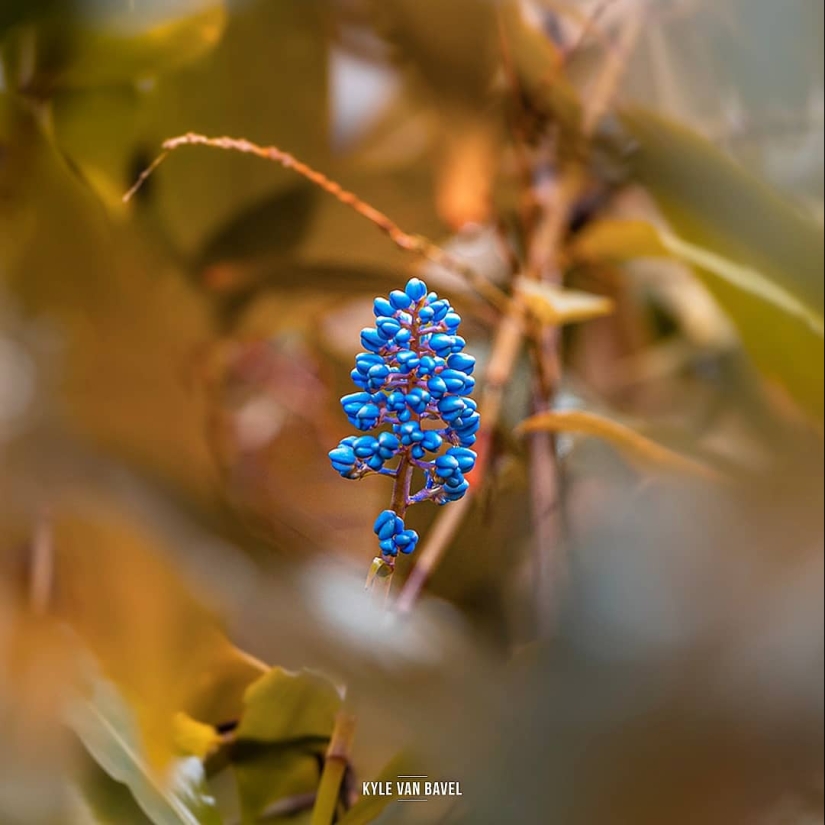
(102, 800)
(109, 44)
(762, 259)
(283, 707)
(266, 777)
(623, 240)
(277, 54)
(109, 732)
(286, 724)
(220, 205)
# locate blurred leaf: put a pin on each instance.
(452, 47)
(103, 800)
(286, 724)
(275, 226)
(617, 240)
(277, 54)
(194, 738)
(102, 130)
(555, 305)
(130, 396)
(210, 208)
(14, 12)
(106, 57)
(80, 45)
(638, 449)
(754, 237)
(152, 636)
(109, 732)
(283, 707)
(270, 777)
(623, 240)
(216, 696)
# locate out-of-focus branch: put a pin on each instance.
(546, 240)
(42, 565)
(417, 244)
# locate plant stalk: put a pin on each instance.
(335, 766)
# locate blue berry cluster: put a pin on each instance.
(415, 381)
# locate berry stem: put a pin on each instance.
(401, 488)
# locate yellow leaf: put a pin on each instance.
(638, 449)
(554, 305)
(617, 240)
(194, 738)
(623, 240)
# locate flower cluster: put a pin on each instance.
(415, 381)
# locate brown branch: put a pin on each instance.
(416, 244)
(545, 242)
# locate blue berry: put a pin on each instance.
(364, 361)
(366, 446)
(382, 307)
(437, 386)
(453, 379)
(415, 289)
(450, 407)
(406, 540)
(371, 340)
(399, 299)
(461, 362)
(465, 458)
(446, 465)
(426, 365)
(388, 328)
(441, 344)
(407, 360)
(417, 399)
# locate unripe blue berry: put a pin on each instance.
(441, 344)
(415, 289)
(382, 307)
(371, 340)
(399, 299)
(461, 362)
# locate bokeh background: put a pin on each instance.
(170, 527)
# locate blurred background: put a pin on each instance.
(624, 622)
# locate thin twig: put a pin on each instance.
(417, 244)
